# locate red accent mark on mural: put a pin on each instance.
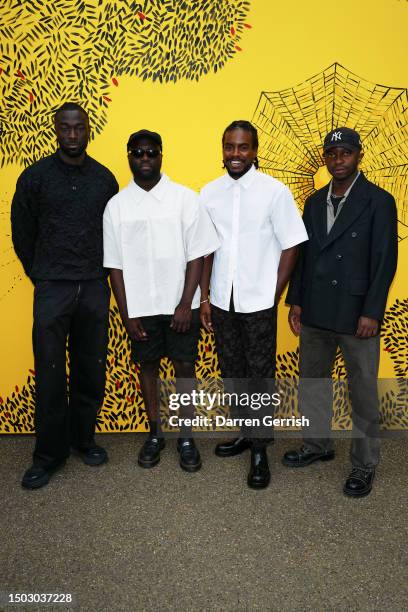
(1, 70)
(232, 30)
(112, 361)
(1, 400)
(138, 386)
(131, 378)
(32, 372)
(141, 15)
(17, 389)
(247, 25)
(31, 97)
(117, 384)
(387, 349)
(106, 98)
(20, 75)
(115, 82)
(238, 48)
(7, 415)
(207, 348)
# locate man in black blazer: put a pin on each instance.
(338, 296)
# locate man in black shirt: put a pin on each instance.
(56, 218)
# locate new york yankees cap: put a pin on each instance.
(343, 137)
(153, 136)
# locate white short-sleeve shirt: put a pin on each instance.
(256, 218)
(151, 236)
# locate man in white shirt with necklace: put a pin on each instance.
(260, 227)
(155, 236)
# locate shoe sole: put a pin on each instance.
(78, 453)
(228, 454)
(305, 464)
(37, 485)
(258, 486)
(94, 464)
(148, 464)
(350, 494)
(190, 468)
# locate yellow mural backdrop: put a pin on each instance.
(187, 69)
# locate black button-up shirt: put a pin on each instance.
(56, 218)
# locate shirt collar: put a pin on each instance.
(244, 181)
(71, 167)
(329, 193)
(158, 191)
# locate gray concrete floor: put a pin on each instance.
(122, 538)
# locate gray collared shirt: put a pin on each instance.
(331, 218)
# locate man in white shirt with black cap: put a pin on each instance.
(155, 236)
(259, 226)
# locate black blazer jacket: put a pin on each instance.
(347, 273)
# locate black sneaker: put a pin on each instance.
(36, 477)
(149, 454)
(95, 455)
(230, 448)
(190, 459)
(305, 456)
(359, 482)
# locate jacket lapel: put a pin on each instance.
(353, 207)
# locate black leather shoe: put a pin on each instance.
(149, 454)
(359, 482)
(190, 459)
(232, 447)
(95, 455)
(37, 477)
(304, 456)
(259, 474)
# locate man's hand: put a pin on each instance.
(205, 316)
(294, 319)
(181, 319)
(135, 329)
(367, 327)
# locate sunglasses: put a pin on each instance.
(140, 153)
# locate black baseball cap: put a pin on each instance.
(343, 137)
(154, 136)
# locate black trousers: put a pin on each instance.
(246, 349)
(246, 343)
(71, 315)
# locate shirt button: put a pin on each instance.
(334, 283)
(353, 234)
(339, 256)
